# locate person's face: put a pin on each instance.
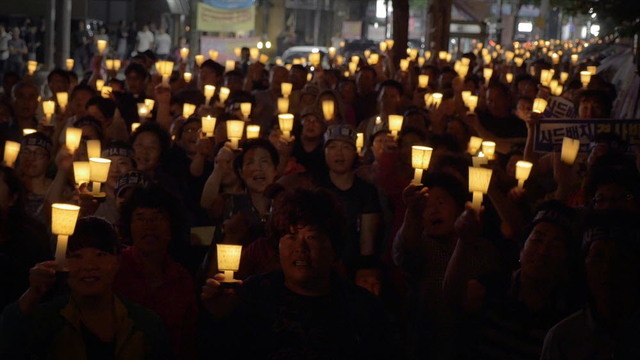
(613, 197)
(33, 161)
(312, 127)
(591, 109)
(25, 102)
(497, 102)
(298, 78)
(120, 165)
(306, 256)
(91, 271)
(207, 77)
(147, 150)
(79, 104)
(612, 274)
(348, 92)
(389, 98)
(277, 76)
(150, 230)
(136, 83)
(190, 136)
(365, 82)
(15, 32)
(381, 143)
(258, 170)
(544, 254)
(340, 156)
(58, 83)
(94, 111)
(524, 109)
(440, 213)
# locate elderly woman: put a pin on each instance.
(148, 273)
(303, 310)
(89, 323)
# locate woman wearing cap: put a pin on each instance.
(360, 200)
(89, 323)
(33, 161)
(510, 313)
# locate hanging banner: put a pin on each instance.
(549, 133)
(225, 20)
(230, 4)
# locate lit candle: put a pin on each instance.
(574, 59)
(420, 159)
(208, 125)
(487, 73)
(404, 64)
(188, 110)
(373, 59)
(48, 108)
(134, 126)
(585, 78)
(229, 65)
(367, 52)
(165, 68)
(102, 45)
(508, 77)
(314, 59)
(286, 88)
(539, 105)
(421, 61)
(359, 142)
(508, 56)
(395, 124)
(545, 77)
(569, 152)
(489, 149)
(72, 138)
(474, 145)
(213, 55)
(224, 94)
(592, 69)
(254, 53)
(442, 55)
(518, 61)
(328, 109)
(209, 90)
(109, 64)
(383, 46)
(81, 172)
(116, 64)
(94, 149)
(436, 100)
(26, 132)
(479, 180)
(32, 66)
(472, 103)
(99, 174)
(228, 260)
(309, 77)
(245, 109)
(253, 131)
(465, 97)
(237, 51)
(99, 84)
(286, 125)
(283, 105)
(199, 59)
(355, 59)
(150, 103)
(143, 112)
(69, 63)
(187, 77)
(235, 128)
(523, 169)
(353, 66)
(63, 223)
(11, 151)
(264, 58)
(423, 81)
(332, 52)
(184, 53)
(63, 100)
(563, 77)
(390, 43)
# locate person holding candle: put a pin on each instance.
(223, 180)
(308, 148)
(23, 240)
(388, 103)
(24, 101)
(304, 310)
(58, 81)
(122, 162)
(149, 275)
(422, 248)
(113, 125)
(510, 311)
(33, 161)
(89, 323)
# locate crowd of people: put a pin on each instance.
(344, 255)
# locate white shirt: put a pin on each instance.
(163, 44)
(145, 38)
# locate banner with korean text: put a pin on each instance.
(549, 133)
(226, 16)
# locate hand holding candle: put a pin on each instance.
(63, 223)
(11, 151)
(420, 159)
(228, 260)
(479, 180)
(523, 169)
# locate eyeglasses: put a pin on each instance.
(191, 130)
(37, 154)
(149, 219)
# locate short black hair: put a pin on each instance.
(448, 183)
(93, 232)
(79, 88)
(213, 66)
(163, 137)
(391, 83)
(136, 68)
(59, 72)
(317, 208)
(106, 106)
(254, 144)
(601, 97)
